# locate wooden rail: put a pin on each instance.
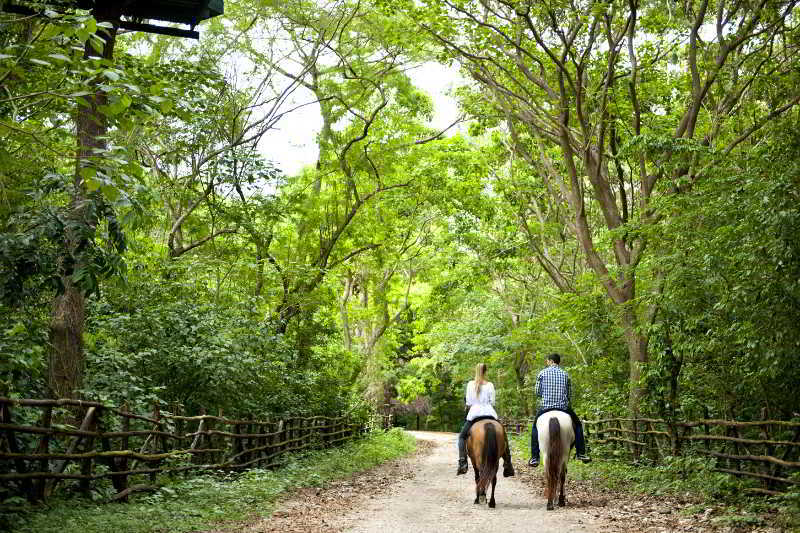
(764, 450)
(112, 445)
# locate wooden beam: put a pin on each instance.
(162, 30)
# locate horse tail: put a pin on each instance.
(491, 459)
(555, 456)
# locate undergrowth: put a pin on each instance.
(200, 502)
(689, 479)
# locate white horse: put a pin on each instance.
(556, 437)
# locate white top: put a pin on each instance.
(480, 405)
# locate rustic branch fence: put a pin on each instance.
(768, 450)
(130, 450)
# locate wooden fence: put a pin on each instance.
(37, 453)
(768, 450)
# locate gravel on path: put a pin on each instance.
(421, 493)
(436, 501)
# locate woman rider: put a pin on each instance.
(480, 400)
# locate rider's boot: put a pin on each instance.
(462, 466)
(583, 457)
(534, 462)
(462, 457)
(508, 467)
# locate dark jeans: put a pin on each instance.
(462, 443)
(580, 444)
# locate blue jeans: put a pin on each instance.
(580, 444)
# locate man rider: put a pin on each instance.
(554, 389)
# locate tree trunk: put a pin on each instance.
(65, 369)
(348, 291)
(69, 308)
(637, 352)
(521, 368)
(259, 271)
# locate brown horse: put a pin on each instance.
(486, 443)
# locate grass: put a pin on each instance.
(690, 479)
(205, 501)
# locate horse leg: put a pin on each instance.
(491, 501)
(549, 487)
(480, 496)
(562, 500)
(477, 471)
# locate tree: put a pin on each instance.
(615, 104)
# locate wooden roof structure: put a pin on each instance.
(132, 14)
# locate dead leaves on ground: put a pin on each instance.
(626, 512)
(320, 509)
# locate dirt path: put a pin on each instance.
(421, 494)
(437, 501)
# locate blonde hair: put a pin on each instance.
(480, 377)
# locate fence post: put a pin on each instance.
(263, 441)
(281, 436)
(654, 443)
(764, 433)
(13, 447)
(675, 441)
(177, 442)
(236, 441)
(156, 438)
(198, 438)
(61, 465)
(112, 462)
(87, 466)
(289, 427)
(44, 448)
(123, 461)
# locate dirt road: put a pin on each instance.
(421, 494)
(436, 501)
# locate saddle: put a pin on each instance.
(479, 418)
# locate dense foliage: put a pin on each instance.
(624, 190)
(201, 503)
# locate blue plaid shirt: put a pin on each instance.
(553, 387)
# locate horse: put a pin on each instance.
(556, 437)
(486, 443)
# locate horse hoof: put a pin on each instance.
(550, 507)
(562, 502)
(476, 502)
(491, 504)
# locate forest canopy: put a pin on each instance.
(621, 186)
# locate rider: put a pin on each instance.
(480, 399)
(554, 389)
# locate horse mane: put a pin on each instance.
(555, 456)
(490, 459)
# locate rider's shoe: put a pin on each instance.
(534, 462)
(583, 457)
(462, 466)
(508, 469)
